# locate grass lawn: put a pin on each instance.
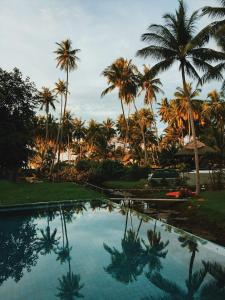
(22, 193)
(214, 206)
(125, 184)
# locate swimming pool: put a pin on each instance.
(103, 251)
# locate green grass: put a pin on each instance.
(125, 184)
(22, 193)
(213, 206)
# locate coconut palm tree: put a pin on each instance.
(180, 108)
(60, 89)
(151, 86)
(217, 28)
(214, 112)
(46, 99)
(79, 133)
(178, 41)
(121, 75)
(67, 60)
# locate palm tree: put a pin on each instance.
(68, 131)
(177, 41)
(121, 75)
(181, 111)
(79, 133)
(46, 99)
(217, 28)
(214, 112)
(60, 89)
(151, 86)
(67, 61)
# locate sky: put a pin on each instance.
(103, 29)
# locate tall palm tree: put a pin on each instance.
(121, 75)
(67, 60)
(46, 99)
(177, 41)
(60, 89)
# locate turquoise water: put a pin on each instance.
(104, 252)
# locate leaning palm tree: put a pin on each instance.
(121, 75)
(67, 61)
(178, 41)
(46, 99)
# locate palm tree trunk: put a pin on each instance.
(46, 127)
(156, 133)
(143, 137)
(58, 135)
(64, 113)
(127, 127)
(197, 178)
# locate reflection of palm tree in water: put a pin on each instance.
(48, 241)
(63, 251)
(128, 264)
(125, 265)
(155, 250)
(215, 289)
(69, 285)
(194, 282)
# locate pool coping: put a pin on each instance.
(30, 206)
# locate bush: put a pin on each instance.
(106, 170)
(84, 165)
(135, 172)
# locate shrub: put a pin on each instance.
(84, 165)
(135, 172)
(106, 170)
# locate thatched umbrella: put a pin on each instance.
(203, 149)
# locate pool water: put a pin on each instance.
(99, 251)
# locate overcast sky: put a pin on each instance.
(103, 29)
